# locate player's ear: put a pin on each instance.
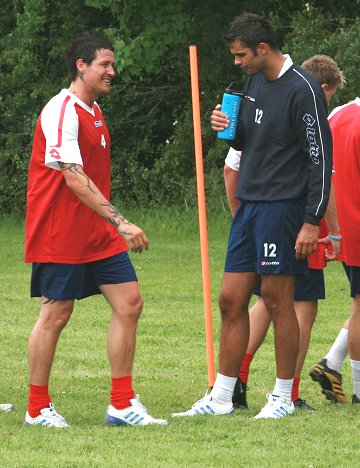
(81, 67)
(262, 48)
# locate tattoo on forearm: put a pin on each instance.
(49, 301)
(116, 218)
(74, 168)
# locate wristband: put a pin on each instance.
(334, 238)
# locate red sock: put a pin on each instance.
(39, 398)
(245, 368)
(295, 389)
(121, 392)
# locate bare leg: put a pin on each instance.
(306, 313)
(126, 304)
(277, 292)
(233, 302)
(260, 321)
(346, 324)
(54, 315)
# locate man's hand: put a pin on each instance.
(330, 254)
(135, 237)
(219, 121)
(306, 242)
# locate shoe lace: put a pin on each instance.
(201, 401)
(52, 413)
(136, 402)
(272, 400)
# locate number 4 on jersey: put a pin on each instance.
(103, 141)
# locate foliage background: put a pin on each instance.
(149, 110)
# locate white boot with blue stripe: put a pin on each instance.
(207, 405)
(134, 415)
(48, 417)
(276, 407)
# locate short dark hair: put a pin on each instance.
(85, 48)
(251, 30)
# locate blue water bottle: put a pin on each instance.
(231, 107)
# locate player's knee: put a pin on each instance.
(224, 303)
(271, 302)
(227, 305)
(61, 322)
(58, 318)
(131, 311)
(138, 307)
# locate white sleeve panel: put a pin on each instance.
(233, 159)
(60, 124)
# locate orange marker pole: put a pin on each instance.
(202, 213)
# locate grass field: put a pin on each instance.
(170, 371)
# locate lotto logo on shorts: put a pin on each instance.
(270, 263)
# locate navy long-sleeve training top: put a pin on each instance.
(286, 142)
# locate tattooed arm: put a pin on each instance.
(85, 189)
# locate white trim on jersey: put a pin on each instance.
(321, 141)
(355, 101)
(286, 65)
(60, 118)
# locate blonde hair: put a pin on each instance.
(325, 70)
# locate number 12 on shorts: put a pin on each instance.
(269, 250)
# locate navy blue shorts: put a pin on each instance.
(307, 288)
(353, 274)
(67, 281)
(262, 238)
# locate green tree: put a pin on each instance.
(315, 31)
(149, 110)
(35, 34)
